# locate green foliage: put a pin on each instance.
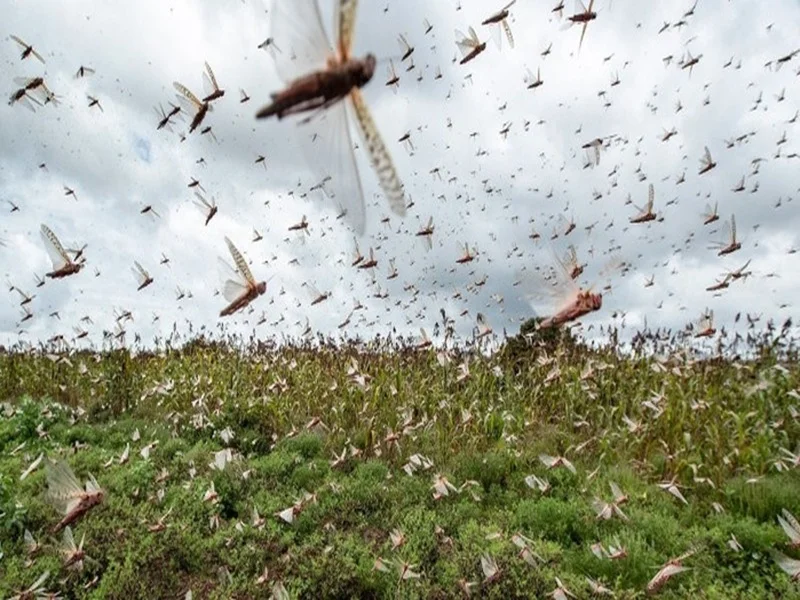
(307, 432)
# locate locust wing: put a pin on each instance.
(234, 285)
(241, 263)
(64, 491)
(55, 250)
(297, 26)
(379, 155)
(210, 85)
(346, 26)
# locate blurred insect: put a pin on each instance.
(728, 244)
(210, 86)
(791, 527)
(316, 295)
(491, 572)
(27, 50)
(66, 494)
(370, 263)
(710, 215)
(500, 19)
(582, 15)
(470, 45)
(646, 214)
(269, 45)
(301, 226)
(63, 265)
(534, 82)
(164, 117)
(84, 72)
(483, 329)
(667, 572)
(143, 278)
(331, 78)
(690, 61)
(790, 566)
(239, 286)
(73, 554)
(468, 256)
(572, 264)
(406, 48)
(32, 547)
(32, 90)
(706, 325)
(569, 300)
(593, 149)
(35, 591)
(561, 592)
(192, 105)
(720, 285)
(706, 163)
(426, 233)
(209, 209)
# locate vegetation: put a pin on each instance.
(204, 451)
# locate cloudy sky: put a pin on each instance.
(489, 189)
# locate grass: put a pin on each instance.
(336, 430)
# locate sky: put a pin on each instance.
(482, 186)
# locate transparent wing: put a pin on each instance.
(63, 489)
(733, 228)
(570, 261)
(137, 274)
(790, 531)
(329, 151)
(55, 250)
(651, 198)
(233, 284)
(546, 291)
(241, 263)
(22, 81)
(788, 565)
(615, 490)
(563, 224)
(186, 94)
(69, 540)
(464, 43)
(313, 292)
(208, 85)
(297, 26)
(208, 75)
(19, 41)
(497, 35)
(509, 35)
(727, 233)
(346, 26)
(610, 268)
(379, 155)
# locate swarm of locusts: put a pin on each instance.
(438, 465)
(400, 466)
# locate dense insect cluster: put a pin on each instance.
(592, 454)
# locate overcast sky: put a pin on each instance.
(494, 190)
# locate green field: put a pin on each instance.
(355, 435)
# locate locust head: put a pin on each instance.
(366, 70)
(591, 301)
